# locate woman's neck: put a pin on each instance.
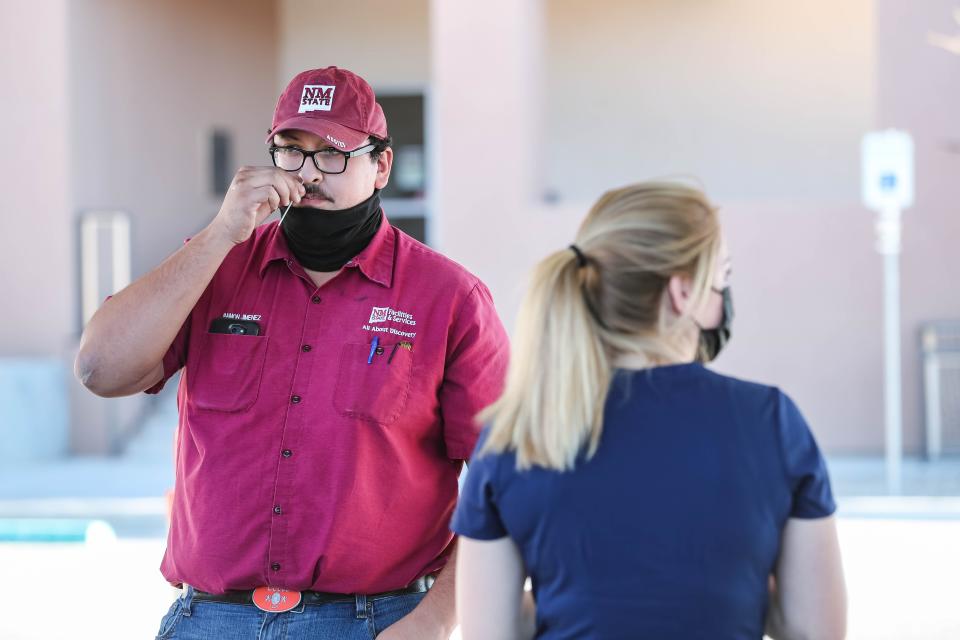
(634, 361)
(662, 353)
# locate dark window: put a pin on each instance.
(221, 161)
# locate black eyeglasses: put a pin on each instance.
(326, 160)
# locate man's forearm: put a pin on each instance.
(130, 333)
(438, 609)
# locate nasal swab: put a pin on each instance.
(285, 211)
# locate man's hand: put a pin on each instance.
(253, 195)
(414, 627)
(435, 617)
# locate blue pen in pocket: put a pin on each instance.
(373, 349)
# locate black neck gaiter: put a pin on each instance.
(325, 240)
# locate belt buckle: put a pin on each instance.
(275, 600)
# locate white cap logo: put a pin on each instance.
(316, 97)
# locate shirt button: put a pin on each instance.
(277, 510)
(287, 453)
(306, 348)
(275, 566)
(315, 299)
(295, 399)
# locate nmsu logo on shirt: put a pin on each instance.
(316, 97)
(379, 315)
(386, 314)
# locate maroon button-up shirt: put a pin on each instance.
(308, 457)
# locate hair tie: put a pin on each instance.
(581, 259)
(582, 262)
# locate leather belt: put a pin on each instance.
(420, 585)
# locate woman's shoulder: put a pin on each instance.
(761, 404)
(741, 388)
(490, 457)
(696, 378)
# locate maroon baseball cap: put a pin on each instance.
(335, 104)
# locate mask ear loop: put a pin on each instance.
(283, 215)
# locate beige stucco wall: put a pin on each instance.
(758, 99)
(807, 287)
(36, 246)
(151, 80)
(148, 81)
(386, 42)
(764, 102)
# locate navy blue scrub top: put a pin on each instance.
(673, 527)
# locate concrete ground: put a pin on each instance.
(901, 554)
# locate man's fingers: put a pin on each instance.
(267, 194)
(287, 184)
(293, 184)
(283, 189)
(297, 190)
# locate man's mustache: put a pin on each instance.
(316, 191)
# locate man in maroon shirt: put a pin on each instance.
(332, 368)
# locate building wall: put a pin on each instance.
(36, 246)
(919, 89)
(386, 42)
(807, 287)
(760, 100)
(764, 102)
(150, 81)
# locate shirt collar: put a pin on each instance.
(375, 261)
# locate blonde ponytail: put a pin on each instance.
(560, 374)
(589, 304)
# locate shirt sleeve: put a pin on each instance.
(176, 355)
(477, 515)
(805, 467)
(474, 372)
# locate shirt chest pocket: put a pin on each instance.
(377, 391)
(228, 371)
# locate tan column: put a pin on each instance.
(485, 114)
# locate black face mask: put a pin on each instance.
(325, 240)
(713, 340)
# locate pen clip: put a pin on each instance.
(403, 343)
(373, 349)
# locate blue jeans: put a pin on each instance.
(362, 619)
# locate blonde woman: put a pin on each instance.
(644, 495)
